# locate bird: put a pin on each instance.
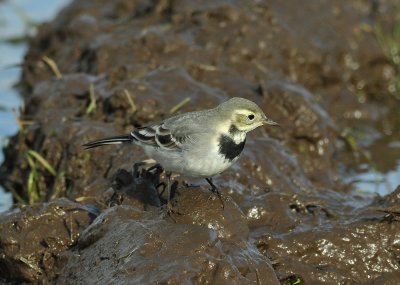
(199, 144)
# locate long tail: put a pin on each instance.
(111, 140)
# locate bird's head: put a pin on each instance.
(244, 114)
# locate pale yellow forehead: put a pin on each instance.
(246, 111)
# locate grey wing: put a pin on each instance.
(158, 136)
(174, 133)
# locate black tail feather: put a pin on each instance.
(111, 140)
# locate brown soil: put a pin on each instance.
(289, 217)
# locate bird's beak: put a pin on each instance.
(268, 121)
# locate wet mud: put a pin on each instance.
(290, 216)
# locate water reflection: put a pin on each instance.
(380, 173)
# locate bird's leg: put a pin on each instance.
(163, 188)
(171, 188)
(169, 205)
(214, 190)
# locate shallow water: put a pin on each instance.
(375, 182)
(380, 174)
(17, 19)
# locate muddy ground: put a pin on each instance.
(290, 218)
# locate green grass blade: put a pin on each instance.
(92, 105)
(42, 161)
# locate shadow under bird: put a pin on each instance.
(198, 144)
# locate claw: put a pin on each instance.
(215, 191)
(171, 211)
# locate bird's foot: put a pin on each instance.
(215, 192)
(171, 211)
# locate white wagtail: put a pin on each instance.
(197, 144)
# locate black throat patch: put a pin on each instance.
(228, 148)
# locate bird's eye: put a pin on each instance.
(250, 117)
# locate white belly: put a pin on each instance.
(196, 164)
(199, 157)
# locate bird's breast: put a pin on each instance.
(229, 148)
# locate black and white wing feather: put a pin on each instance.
(158, 136)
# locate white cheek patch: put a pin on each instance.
(239, 137)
